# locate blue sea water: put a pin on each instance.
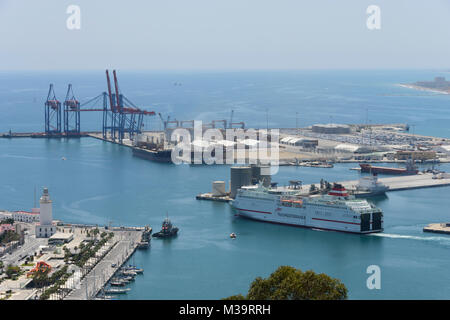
(101, 182)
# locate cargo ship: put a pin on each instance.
(336, 211)
(409, 170)
(159, 155)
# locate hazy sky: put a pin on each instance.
(224, 34)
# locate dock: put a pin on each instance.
(443, 228)
(211, 197)
(11, 135)
(99, 276)
(400, 183)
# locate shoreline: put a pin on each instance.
(415, 87)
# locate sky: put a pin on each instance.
(224, 35)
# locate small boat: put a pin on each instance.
(124, 281)
(104, 297)
(167, 230)
(117, 290)
(118, 283)
(138, 271)
(143, 245)
(233, 235)
(315, 164)
(127, 279)
(134, 269)
(128, 273)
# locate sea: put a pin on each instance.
(102, 183)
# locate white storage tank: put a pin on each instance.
(218, 188)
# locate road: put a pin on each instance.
(31, 244)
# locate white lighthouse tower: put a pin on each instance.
(45, 228)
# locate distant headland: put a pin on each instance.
(439, 85)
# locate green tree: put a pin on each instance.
(288, 283)
(40, 278)
(12, 271)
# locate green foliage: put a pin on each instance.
(56, 280)
(288, 283)
(86, 251)
(7, 221)
(9, 236)
(12, 272)
(40, 278)
(236, 297)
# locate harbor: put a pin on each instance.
(104, 270)
(129, 190)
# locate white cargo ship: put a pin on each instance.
(337, 211)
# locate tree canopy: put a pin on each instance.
(288, 283)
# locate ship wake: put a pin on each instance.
(441, 239)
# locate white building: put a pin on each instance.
(5, 215)
(45, 227)
(26, 216)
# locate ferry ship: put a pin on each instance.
(336, 211)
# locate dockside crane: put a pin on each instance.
(52, 113)
(123, 116)
(71, 113)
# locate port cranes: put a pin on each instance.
(120, 115)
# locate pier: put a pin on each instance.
(99, 276)
(399, 183)
(443, 228)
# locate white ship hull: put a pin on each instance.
(308, 215)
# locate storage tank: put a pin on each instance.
(240, 176)
(218, 188)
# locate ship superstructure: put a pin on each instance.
(336, 211)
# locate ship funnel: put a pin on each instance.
(338, 191)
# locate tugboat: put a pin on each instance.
(167, 230)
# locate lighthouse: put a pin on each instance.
(45, 228)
